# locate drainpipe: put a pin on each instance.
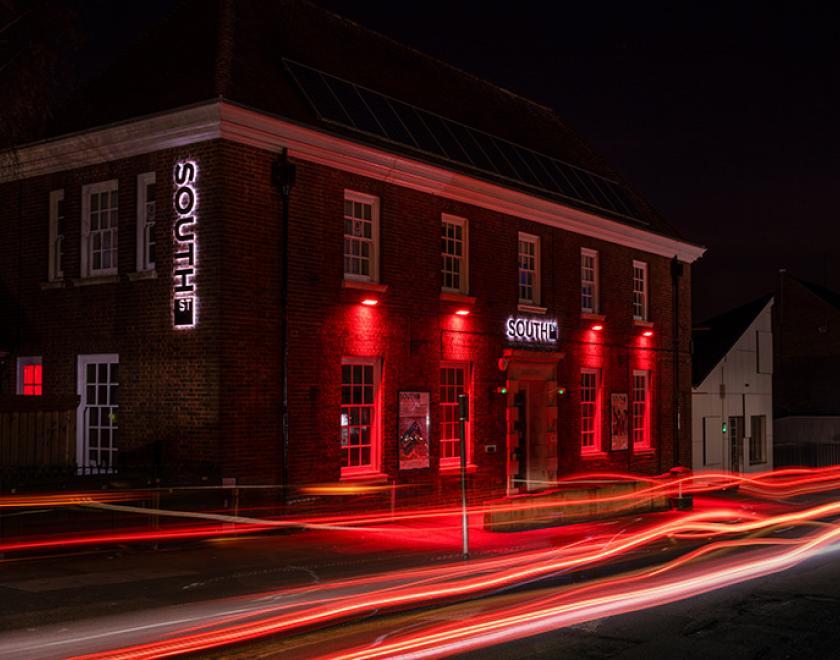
(283, 176)
(676, 274)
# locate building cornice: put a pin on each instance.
(107, 143)
(220, 119)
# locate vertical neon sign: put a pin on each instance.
(185, 258)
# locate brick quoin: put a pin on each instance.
(208, 399)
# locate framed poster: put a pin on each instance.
(413, 429)
(618, 421)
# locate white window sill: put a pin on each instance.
(372, 477)
(454, 296)
(642, 323)
(364, 285)
(455, 468)
(96, 279)
(593, 316)
(531, 309)
(591, 455)
(142, 275)
(53, 284)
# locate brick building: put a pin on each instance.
(445, 236)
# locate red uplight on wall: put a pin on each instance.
(597, 327)
(462, 312)
(370, 302)
(647, 333)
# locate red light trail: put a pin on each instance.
(780, 485)
(441, 584)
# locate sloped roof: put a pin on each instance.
(714, 338)
(234, 50)
(827, 295)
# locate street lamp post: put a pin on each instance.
(463, 417)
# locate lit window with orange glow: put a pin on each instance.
(359, 418)
(30, 376)
(454, 381)
(641, 410)
(590, 411)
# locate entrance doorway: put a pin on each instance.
(532, 422)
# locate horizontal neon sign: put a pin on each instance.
(542, 331)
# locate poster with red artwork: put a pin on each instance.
(618, 421)
(413, 428)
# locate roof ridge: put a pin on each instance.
(432, 58)
(755, 301)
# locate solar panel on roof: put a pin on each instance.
(394, 128)
(465, 139)
(450, 145)
(319, 95)
(424, 139)
(356, 108)
(364, 110)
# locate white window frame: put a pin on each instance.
(145, 227)
(376, 425)
(595, 282)
(31, 360)
(87, 192)
(597, 440)
(644, 293)
(645, 443)
(455, 461)
(82, 439)
(56, 247)
(373, 200)
(464, 283)
(535, 240)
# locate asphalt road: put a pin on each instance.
(791, 614)
(62, 606)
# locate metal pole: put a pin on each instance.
(283, 175)
(676, 273)
(463, 416)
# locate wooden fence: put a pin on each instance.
(810, 454)
(37, 439)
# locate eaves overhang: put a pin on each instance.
(220, 119)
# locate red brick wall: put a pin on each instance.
(412, 330)
(214, 393)
(169, 382)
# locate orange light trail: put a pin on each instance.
(779, 485)
(440, 584)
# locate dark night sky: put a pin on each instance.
(725, 118)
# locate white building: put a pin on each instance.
(732, 390)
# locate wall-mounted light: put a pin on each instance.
(647, 333)
(370, 302)
(462, 312)
(502, 389)
(597, 327)
(561, 391)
